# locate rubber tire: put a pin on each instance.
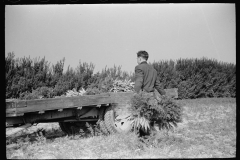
(102, 125)
(109, 120)
(62, 126)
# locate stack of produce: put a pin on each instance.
(74, 92)
(122, 86)
(149, 112)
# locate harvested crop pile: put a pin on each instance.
(74, 92)
(149, 110)
(122, 86)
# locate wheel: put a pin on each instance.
(71, 128)
(101, 123)
(62, 126)
(117, 122)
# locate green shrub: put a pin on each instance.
(198, 78)
(39, 93)
(92, 91)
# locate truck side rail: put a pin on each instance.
(19, 107)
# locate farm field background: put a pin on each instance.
(208, 130)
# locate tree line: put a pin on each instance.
(194, 78)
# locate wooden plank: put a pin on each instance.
(11, 111)
(14, 103)
(60, 103)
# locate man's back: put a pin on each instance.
(146, 78)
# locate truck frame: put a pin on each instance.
(110, 110)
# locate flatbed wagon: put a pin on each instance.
(72, 113)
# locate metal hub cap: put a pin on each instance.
(123, 123)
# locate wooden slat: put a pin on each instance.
(59, 103)
(11, 112)
(15, 103)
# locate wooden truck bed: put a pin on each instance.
(79, 108)
(66, 109)
(20, 107)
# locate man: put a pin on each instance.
(146, 81)
(146, 76)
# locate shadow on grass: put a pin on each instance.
(32, 137)
(50, 134)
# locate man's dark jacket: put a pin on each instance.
(146, 79)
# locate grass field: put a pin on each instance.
(208, 130)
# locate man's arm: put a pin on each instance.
(159, 87)
(138, 79)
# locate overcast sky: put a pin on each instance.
(108, 34)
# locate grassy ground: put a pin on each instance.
(208, 130)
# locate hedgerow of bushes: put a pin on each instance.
(28, 78)
(34, 79)
(198, 78)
